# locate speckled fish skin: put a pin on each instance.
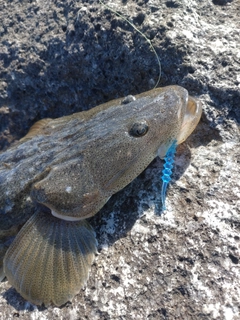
(73, 164)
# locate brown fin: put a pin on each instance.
(36, 129)
(50, 259)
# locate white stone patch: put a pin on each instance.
(188, 34)
(110, 227)
(104, 245)
(198, 284)
(8, 208)
(68, 189)
(171, 34)
(228, 313)
(138, 228)
(213, 309)
(36, 315)
(31, 169)
(73, 314)
(126, 272)
(118, 291)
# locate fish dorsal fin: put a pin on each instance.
(36, 129)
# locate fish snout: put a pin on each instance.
(191, 118)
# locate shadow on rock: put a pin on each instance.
(18, 302)
(93, 59)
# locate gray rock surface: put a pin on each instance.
(59, 57)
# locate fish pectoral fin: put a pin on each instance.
(49, 260)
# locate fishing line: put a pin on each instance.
(141, 33)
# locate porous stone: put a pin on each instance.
(59, 57)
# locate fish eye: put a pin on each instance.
(139, 129)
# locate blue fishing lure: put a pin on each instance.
(167, 171)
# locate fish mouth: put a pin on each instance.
(191, 118)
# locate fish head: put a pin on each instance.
(110, 145)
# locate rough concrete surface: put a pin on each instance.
(59, 57)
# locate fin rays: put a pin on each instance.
(49, 260)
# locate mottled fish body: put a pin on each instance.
(71, 166)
